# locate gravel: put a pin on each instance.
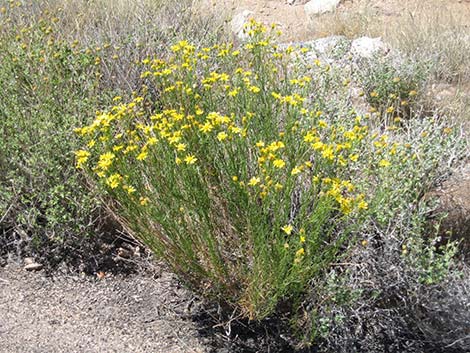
(73, 313)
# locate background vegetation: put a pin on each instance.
(60, 63)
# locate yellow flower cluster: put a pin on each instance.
(207, 112)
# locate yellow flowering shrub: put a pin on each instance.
(225, 165)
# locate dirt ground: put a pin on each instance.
(140, 312)
(72, 313)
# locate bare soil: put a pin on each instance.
(141, 312)
(73, 313)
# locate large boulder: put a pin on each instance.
(318, 7)
(238, 23)
(366, 47)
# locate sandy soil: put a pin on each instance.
(140, 312)
(137, 313)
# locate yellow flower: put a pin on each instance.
(327, 153)
(300, 252)
(234, 92)
(152, 141)
(354, 157)
(235, 178)
(279, 163)
(384, 163)
(130, 189)
(318, 145)
(235, 129)
(362, 205)
(222, 136)
(144, 201)
(287, 229)
(142, 155)
(309, 137)
(302, 239)
(296, 170)
(113, 181)
(254, 181)
(345, 205)
(81, 158)
(174, 139)
(190, 159)
(105, 161)
(181, 147)
(207, 127)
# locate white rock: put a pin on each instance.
(33, 267)
(366, 47)
(317, 7)
(28, 260)
(124, 253)
(238, 22)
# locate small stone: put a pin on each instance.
(28, 260)
(34, 266)
(124, 253)
(100, 274)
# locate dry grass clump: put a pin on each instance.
(434, 33)
(431, 32)
(122, 33)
